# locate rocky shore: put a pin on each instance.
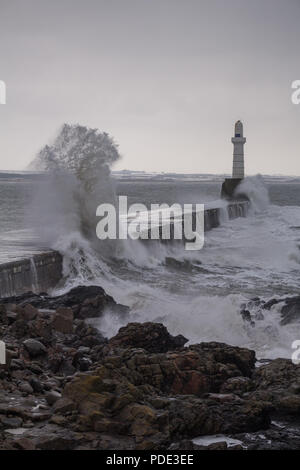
(65, 386)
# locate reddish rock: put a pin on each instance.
(63, 320)
(153, 337)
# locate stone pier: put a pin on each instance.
(38, 274)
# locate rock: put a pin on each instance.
(85, 301)
(28, 312)
(217, 446)
(238, 385)
(63, 320)
(24, 444)
(58, 419)
(142, 389)
(34, 347)
(112, 402)
(63, 406)
(153, 337)
(55, 442)
(278, 382)
(26, 388)
(36, 385)
(84, 363)
(11, 317)
(52, 397)
(11, 423)
(291, 310)
(160, 397)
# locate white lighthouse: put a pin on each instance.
(238, 151)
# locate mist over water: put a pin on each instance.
(198, 294)
(78, 179)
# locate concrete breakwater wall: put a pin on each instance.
(42, 272)
(38, 274)
(212, 218)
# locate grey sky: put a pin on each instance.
(166, 78)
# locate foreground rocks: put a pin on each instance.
(67, 387)
(85, 302)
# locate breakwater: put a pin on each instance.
(43, 272)
(213, 217)
(38, 274)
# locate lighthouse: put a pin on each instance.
(230, 185)
(238, 151)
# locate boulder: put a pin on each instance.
(161, 397)
(63, 405)
(85, 301)
(28, 312)
(63, 320)
(34, 347)
(52, 397)
(153, 337)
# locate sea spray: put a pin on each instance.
(255, 189)
(77, 165)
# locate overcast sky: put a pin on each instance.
(166, 78)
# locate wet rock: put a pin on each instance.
(26, 388)
(238, 385)
(28, 312)
(153, 337)
(63, 320)
(115, 400)
(84, 363)
(11, 317)
(24, 444)
(63, 405)
(55, 442)
(36, 385)
(11, 423)
(34, 347)
(85, 301)
(52, 397)
(140, 390)
(291, 310)
(278, 381)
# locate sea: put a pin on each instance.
(199, 294)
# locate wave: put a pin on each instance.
(198, 294)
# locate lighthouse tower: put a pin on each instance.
(238, 151)
(230, 185)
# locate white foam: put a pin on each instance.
(213, 439)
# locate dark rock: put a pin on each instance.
(85, 301)
(11, 423)
(63, 320)
(153, 337)
(124, 395)
(238, 385)
(36, 385)
(84, 363)
(28, 312)
(63, 405)
(52, 397)
(55, 442)
(26, 388)
(24, 444)
(291, 310)
(34, 348)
